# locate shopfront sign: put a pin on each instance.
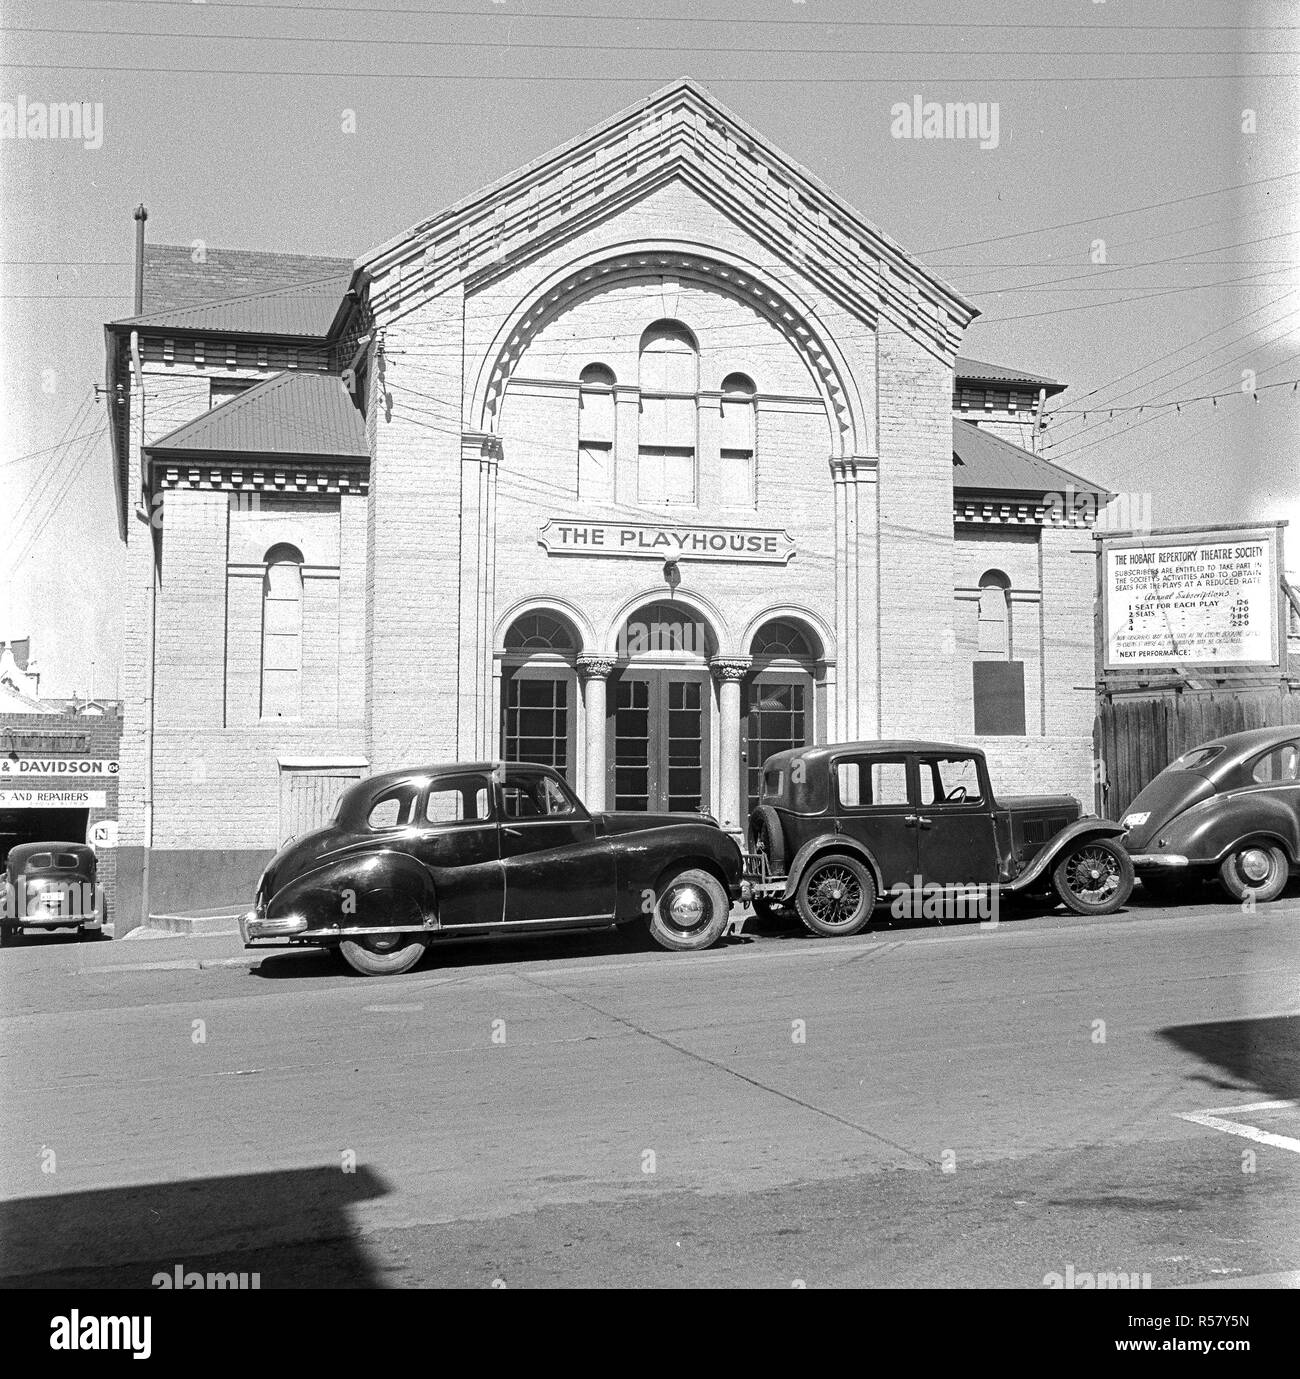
(635, 540)
(72, 768)
(53, 799)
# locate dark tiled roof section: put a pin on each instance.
(985, 463)
(977, 371)
(172, 279)
(290, 414)
(305, 309)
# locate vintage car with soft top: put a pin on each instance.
(52, 886)
(483, 848)
(1228, 810)
(839, 826)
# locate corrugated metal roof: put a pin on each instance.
(985, 463)
(290, 414)
(977, 371)
(302, 309)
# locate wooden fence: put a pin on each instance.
(1137, 734)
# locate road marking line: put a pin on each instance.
(1251, 1106)
(1212, 1120)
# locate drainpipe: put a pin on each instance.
(152, 617)
(141, 215)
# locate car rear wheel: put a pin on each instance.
(1258, 870)
(690, 912)
(1094, 877)
(836, 896)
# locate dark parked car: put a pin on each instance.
(51, 886)
(1228, 809)
(480, 849)
(839, 826)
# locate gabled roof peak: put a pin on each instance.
(680, 129)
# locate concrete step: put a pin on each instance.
(223, 920)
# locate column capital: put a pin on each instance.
(731, 669)
(593, 666)
(854, 469)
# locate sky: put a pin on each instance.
(1133, 232)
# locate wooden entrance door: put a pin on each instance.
(658, 741)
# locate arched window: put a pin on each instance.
(738, 439)
(539, 692)
(994, 616)
(669, 379)
(282, 633)
(596, 434)
(779, 696)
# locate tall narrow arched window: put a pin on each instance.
(779, 697)
(995, 616)
(596, 434)
(669, 379)
(539, 693)
(282, 633)
(738, 439)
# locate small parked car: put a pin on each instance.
(1227, 810)
(52, 886)
(482, 848)
(839, 826)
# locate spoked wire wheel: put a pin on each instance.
(836, 896)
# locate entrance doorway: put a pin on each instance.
(41, 826)
(658, 740)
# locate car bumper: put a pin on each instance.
(1158, 861)
(57, 921)
(254, 926)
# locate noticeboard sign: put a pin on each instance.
(1191, 598)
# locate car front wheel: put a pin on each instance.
(1258, 870)
(1094, 877)
(381, 955)
(690, 911)
(836, 896)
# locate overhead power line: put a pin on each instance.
(729, 47)
(642, 79)
(514, 17)
(1111, 215)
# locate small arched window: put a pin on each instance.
(739, 429)
(596, 434)
(282, 633)
(995, 616)
(669, 381)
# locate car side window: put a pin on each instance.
(867, 782)
(395, 808)
(458, 800)
(950, 780)
(1280, 765)
(534, 797)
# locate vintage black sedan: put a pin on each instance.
(1228, 810)
(485, 848)
(839, 826)
(50, 886)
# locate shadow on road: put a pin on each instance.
(124, 1237)
(1261, 1054)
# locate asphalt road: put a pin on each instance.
(944, 1106)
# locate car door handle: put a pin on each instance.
(923, 821)
(513, 832)
(910, 820)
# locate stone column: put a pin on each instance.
(594, 671)
(729, 671)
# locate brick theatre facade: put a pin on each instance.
(649, 460)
